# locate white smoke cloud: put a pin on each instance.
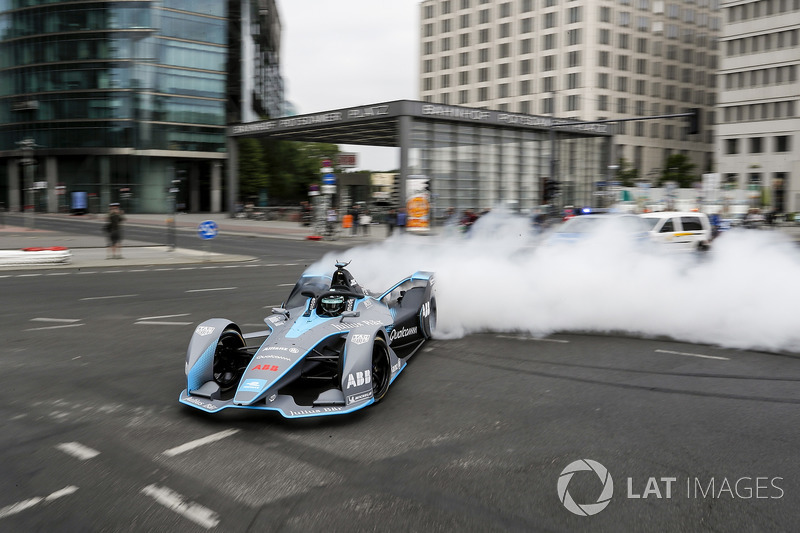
(743, 294)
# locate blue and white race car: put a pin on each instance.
(331, 348)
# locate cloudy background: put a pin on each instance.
(350, 52)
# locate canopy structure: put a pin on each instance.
(474, 157)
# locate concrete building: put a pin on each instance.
(585, 60)
(128, 101)
(758, 141)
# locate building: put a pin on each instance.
(758, 142)
(129, 101)
(585, 60)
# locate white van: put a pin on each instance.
(680, 230)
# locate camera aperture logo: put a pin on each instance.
(585, 509)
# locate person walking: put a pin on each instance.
(114, 229)
(401, 220)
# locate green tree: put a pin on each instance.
(252, 169)
(680, 169)
(627, 174)
(293, 166)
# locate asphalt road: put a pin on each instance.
(474, 435)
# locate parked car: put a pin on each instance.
(679, 230)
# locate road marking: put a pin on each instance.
(109, 297)
(27, 504)
(157, 323)
(28, 275)
(59, 274)
(286, 285)
(175, 502)
(524, 338)
(215, 289)
(162, 316)
(76, 449)
(694, 355)
(66, 320)
(56, 327)
(172, 452)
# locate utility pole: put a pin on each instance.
(27, 161)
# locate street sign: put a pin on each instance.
(329, 179)
(207, 229)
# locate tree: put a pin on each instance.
(252, 168)
(627, 174)
(680, 169)
(292, 166)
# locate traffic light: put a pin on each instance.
(551, 189)
(693, 121)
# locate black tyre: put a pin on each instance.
(428, 317)
(381, 369)
(229, 362)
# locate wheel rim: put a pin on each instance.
(381, 370)
(227, 370)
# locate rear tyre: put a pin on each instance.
(429, 318)
(381, 369)
(229, 361)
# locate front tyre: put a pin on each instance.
(229, 362)
(381, 369)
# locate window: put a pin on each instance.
(525, 67)
(525, 87)
(463, 59)
(526, 25)
(691, 224)
(574, 59)
(623, 41)
(573, 37)
(463, 40)
(483, 17)
(445, 80)
(549, 41)
(445, 25)
(445, 62)
(505, 10)
(574, 15)
(504, 50)
(483, 74)
(549, 84)
(503, 70)
(573, 80)
(549, 63)
(483, 55)
(550, 20)
(602, 80)
(622, 105)
(622, 84)
(463, 78)
(572, 102)
(602, 103)
(605, 14)
(731, 146)
(505, 30)
(503, 90)
(604, 36)
(483, 36)
(483, 94)
(783, 143)
(756, 145)
(603, 59)
(526, 46)
(463, 22)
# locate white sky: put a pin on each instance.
(342, 53)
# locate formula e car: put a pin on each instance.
(331, 348)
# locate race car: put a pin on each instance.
(331, 348)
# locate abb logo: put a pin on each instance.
(271, 368)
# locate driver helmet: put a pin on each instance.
(332, 304)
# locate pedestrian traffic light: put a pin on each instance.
(693, 124)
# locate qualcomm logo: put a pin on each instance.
(586, 509)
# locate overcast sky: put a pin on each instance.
(342, 53)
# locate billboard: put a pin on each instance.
(418, 207)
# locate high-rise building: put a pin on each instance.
(585, 60)
(758, 141)
(129, 101)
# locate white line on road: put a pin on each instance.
(172, 452)
(76, 449)
(286, 285)
(215, 289)
(161, 323)
(525, 338)
(27, 504)
(109, 297)
(56, 327)
(65, 320)
(175, 502)
(162, 316)
(694, 355)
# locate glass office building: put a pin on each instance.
(127, 101)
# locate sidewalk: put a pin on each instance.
(88, 250)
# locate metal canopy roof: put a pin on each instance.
(379, 124)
